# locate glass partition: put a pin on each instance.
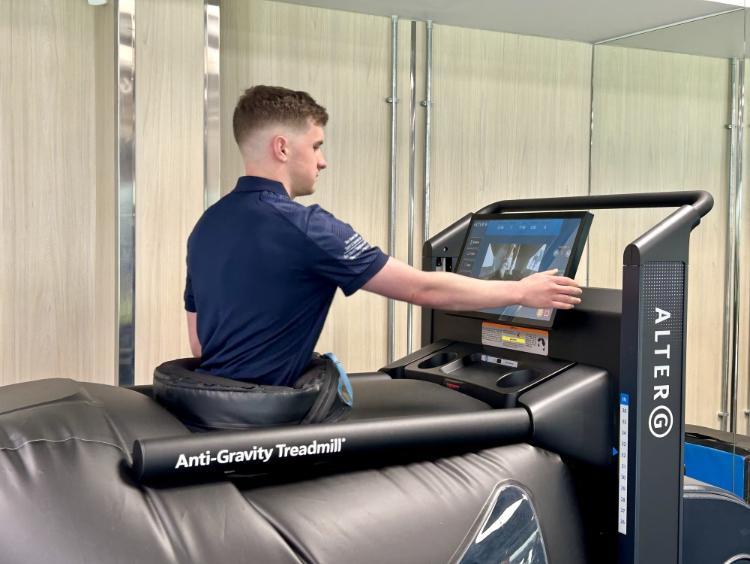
(666, 108)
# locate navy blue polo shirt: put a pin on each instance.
(262, 271)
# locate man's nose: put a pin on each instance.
(322, 163)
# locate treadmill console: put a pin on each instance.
(497, 355)
(513, 246)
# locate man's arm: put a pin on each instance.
(447, 291)
(192, 324)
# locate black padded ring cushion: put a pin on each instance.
(204, 401)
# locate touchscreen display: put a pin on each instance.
(515, 246)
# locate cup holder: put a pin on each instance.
(517, 378)
(438, 360)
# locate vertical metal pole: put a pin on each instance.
(746, 411)
(393, 101)
(412, 167)
(125, 163)
(591, 151)
(211, 103)
(737, 248)
(730, 350)
(427, 105)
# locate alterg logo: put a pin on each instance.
(661, 420)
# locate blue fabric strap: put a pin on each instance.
(344, 386)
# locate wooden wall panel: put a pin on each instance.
(8, 364)
(50, 210)
(510, 120)
(343, 61)
(660, 125)
(105, 299)
(169, 172)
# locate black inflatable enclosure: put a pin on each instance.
(468, 450)
(68, 495)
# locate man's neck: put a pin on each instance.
(269, 173)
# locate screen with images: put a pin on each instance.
(515, 246)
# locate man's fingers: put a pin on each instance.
(550, 271)
(570, 290)
(567, 300)
(565, 281)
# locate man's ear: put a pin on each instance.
(280, 148)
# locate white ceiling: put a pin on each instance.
(589, 21)
(717, 36)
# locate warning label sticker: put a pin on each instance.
(533, 341)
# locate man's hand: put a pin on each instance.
(545, 289)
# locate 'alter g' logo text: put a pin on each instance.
(661, 420)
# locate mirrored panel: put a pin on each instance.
(667, 108)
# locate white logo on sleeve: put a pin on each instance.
(354, 246)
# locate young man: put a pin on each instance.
(263, 269)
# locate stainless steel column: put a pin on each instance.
(393, 101)
(427, 105)
(730, 354)
(738, 221)
(412, 168)
(125, 179)
(590, 149)
(738, 206)
(211, 104)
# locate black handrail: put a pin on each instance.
(701, 200)
(209, 456)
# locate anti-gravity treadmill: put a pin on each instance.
(512, 435)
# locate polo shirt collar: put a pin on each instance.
(259, 184)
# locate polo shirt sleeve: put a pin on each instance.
(346, 259)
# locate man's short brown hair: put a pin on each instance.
(262, 105)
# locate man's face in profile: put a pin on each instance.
(306, 160)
